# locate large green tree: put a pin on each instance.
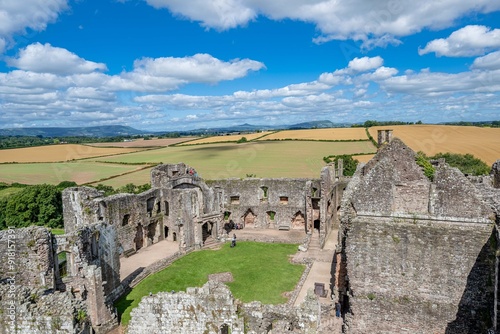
(35, 205)
(467, 163)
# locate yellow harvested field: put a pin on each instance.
(54, 153)
(220, 139)
(144, 143)
(319, 134)
(483, 143)
(363, 158)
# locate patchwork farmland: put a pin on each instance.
(225, 139)
(291, 153)
(319, 134)
(163, 142)
(55, 153)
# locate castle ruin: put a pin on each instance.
(414, 255)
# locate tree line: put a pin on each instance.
(30, 141)
(370, 123)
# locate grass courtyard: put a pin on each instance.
(261, 272)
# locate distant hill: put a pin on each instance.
(313, 125)
(250, 127)
(93, 131)
(120, 130)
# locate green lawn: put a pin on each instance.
(57, 231)
(261, 272)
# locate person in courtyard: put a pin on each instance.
(233, 241)
(337, 309)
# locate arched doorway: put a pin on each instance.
(152, 233)
(139, 237)
(174, 236)
(317, 224)
(249, 219)
(165, 230)
(207, 230)
(298, 221)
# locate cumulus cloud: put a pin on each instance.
(16, 16)
(373, 22)
(365, 64)
(197, 68)
(48, 59)
(471, 40)
(489, 62)
(41, 92)
(219, 14)
(438, 84)
(168, 73)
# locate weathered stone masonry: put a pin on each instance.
(415, 255)
(419, 255)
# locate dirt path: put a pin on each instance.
(321, 272)
(147, 256)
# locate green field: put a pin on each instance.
(263, 159)
(53, 173)
(250, 263)
(295, 159)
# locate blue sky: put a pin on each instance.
(178, 65)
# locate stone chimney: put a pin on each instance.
(384, 136)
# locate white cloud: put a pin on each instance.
(427, 83)
(16, 16)
(471, 40)
(365, 64)
(197, 68)
(48, 59)
(219, 14)
(376, 23)
(489, 62)
(40, 94)
(163, 74)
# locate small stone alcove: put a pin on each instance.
(249, 218)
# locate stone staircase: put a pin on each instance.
(211, 243)
(314, 242)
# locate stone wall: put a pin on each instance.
(263, 319)
(92, 245)
(333, 184)
(212, 307)
(198, 310)
(285, 198)
(79, 207)
(420, 276)
(36, 311)
(27, 255)
(419, 254)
